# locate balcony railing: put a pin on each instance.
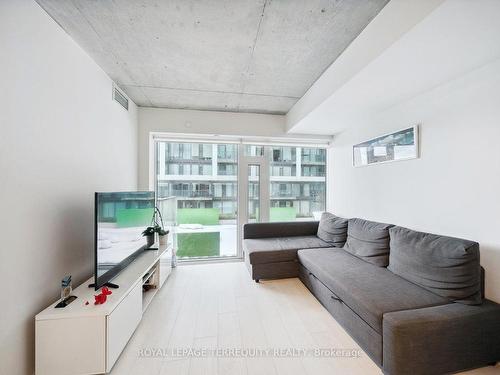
(183, 159)
(191, 193)
(200, 194)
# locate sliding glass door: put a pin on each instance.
(197, 190)
(207, 191)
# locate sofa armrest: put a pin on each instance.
(283, 229)
(441, 339)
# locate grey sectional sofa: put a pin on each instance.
(413, 301)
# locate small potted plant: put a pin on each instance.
(156, 227)
(149, 233)
(162, 235)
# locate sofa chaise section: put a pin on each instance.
(270, 249)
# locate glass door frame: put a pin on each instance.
(244, 164)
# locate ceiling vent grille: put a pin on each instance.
(120, 97)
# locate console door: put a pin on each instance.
(121, 324)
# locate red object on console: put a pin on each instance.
(103, 296)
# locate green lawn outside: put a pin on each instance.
(191, 245)
(282, 214)
(204, 216)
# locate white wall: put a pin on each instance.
(454, 188)
(203, 122)
(61, 139)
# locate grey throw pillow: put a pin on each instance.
(446, 266)
(332, 229)
(369, 241)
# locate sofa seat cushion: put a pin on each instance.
(446, 266)
(369, 241)
(370, 291)
(279, 249)
(333, 229)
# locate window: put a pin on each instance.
(301, 191)
(201, 201)
(227, 152)
(251, 150)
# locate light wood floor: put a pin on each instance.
(219, 306)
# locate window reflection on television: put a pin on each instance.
(121, 219)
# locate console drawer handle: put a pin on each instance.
(336, 298)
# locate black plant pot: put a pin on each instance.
(150, 240)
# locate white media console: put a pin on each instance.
(88, 339)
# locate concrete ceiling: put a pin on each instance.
(231, 55)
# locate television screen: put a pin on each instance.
(120, 219)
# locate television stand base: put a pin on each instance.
(109, 285)
(98, 334)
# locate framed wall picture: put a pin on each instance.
(400, 145)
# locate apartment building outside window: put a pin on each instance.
(197, 189)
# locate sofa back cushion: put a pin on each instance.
(446, 266)
(332, 229)
(369, 241)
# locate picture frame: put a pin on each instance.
(399, 145)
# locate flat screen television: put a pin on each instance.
(120, 219)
